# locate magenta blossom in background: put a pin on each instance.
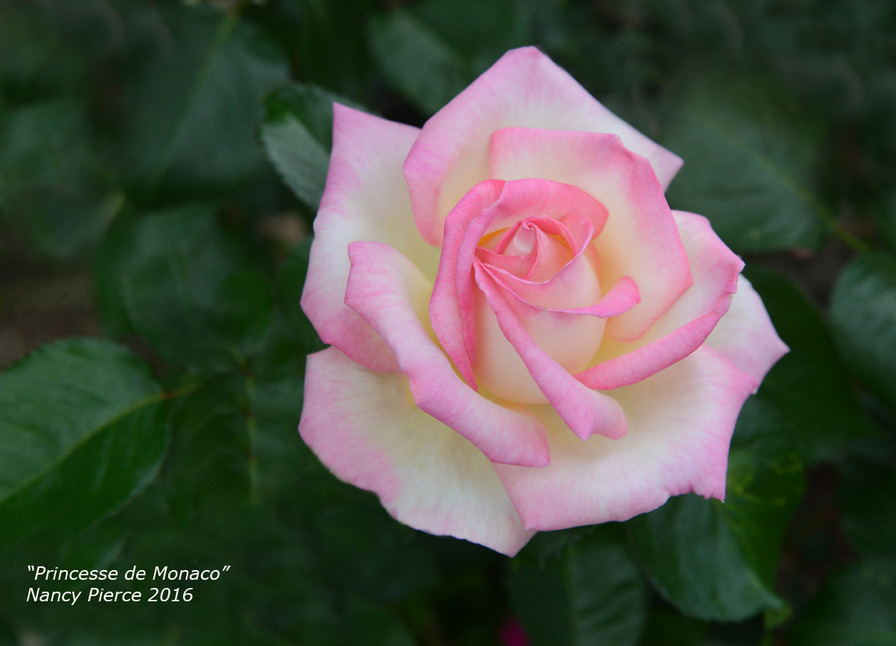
(524, 335)
(512, 633)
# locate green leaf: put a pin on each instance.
(863, 318)
(49, 186)
(243, 311)
(432, 50)
(665, 627)
(236, 443)
(867, 509)
(94, 548)
(693, 559)
(297, 136)
(810, 388)
(186, 285)
(212, 464)
(592, 594)
(438, 72)
(355, 523)
(36, 60)
(717, 560)
(854, 606)
(81, 432)
(764, 486)
(886, 217)
(286, 464)
(749, 157)
(366, 623)
(326, 42)
(192, 109)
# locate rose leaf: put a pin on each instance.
(810, 386)
(592, 593)
(188, 288)
(290, 283)
(863, 318)
(854, 606)
(50, 187)
(430, 51)
(296, 134)
(714, 560)
(81, 433)
(869, 518)
(748, 166)
(192, 102)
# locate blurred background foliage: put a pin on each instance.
(160, 165)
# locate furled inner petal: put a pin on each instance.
(548, 222)
(514, 265)
(569, 335)
(557, 299)
(585, 411)
(640, 238)
(569, 339)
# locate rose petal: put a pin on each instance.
(451, 306)
(538, 237)
(639, 239)
(688, 322)
(574, 290)
(387, 290)
(680, 423)
(365, 429)
(585, 411)
(490, 207)
(524, 88)
(748, 319)
(514, 265)
(365, 199)
(499, 367)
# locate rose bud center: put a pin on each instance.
(542, 268)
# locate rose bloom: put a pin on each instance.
(524, 335)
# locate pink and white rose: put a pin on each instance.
(524, 335)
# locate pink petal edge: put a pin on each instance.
(384, 287)
(684, 328)
(365, 199)
(677, 444)
(747, 318)
(639, 239)
(364, 428)
(524, 88)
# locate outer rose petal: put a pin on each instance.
(680, 423)
(365, 429)
(383, 287)
(639, 239)
(365, 199)
(524, 88)
(745, 335)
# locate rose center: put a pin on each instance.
(540, 270)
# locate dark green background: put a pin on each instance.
(160, 166)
